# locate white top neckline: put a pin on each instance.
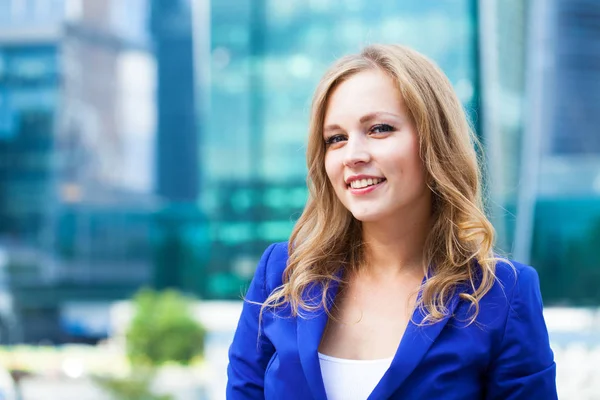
(346, 379)
(352, 361)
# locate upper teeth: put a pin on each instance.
(362, 183)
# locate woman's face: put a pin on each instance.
(372, 149)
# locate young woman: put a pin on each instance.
(389, 287)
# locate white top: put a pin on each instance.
(351, 379)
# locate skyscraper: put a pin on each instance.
(177, 165)
(29, 95)
(559, 208)
(258, 63)
(29, 86)
(76, 181)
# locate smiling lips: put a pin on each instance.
(364, 184)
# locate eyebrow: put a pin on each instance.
(363, 119)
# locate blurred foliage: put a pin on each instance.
(133, 387)
(163, 329)
(36, 359)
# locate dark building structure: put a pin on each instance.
(177, 165)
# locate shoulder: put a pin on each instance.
(515, 279)
(522, 359)
(272, 264)
(276, 253)
(522, 286)
(515, 292)
(514, 300)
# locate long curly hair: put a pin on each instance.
(458, 251)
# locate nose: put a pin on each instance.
(356, 151)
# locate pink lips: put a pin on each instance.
(365, 190)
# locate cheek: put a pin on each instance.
(420, 173)
(407, 166)
(415, 162)
(331, 167)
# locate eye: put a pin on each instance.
(381, 128)
(334, 139)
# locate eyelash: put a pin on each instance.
(388, 127)
(333, 139)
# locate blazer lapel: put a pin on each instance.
(310, 331)
(413, 346)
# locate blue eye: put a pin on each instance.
(334, 139)
(380, 128)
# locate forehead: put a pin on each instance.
(366, 92)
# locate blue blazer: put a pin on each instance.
(504, 355)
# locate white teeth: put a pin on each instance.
(363, 183)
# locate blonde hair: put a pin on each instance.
(459, 248)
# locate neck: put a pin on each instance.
(395, 248)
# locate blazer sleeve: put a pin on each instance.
(524, 367)
(250, 352)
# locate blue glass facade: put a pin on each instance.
(30, 67)
(575, 78)
(566, 230)
(158, 142)
(28, 100)
(503, 47)
(103, 217)
(76, 205)
(540, 77)
(265, 60)
(177, 166)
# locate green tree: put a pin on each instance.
(163, 330)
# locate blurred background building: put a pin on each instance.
(258, 63)
(558, 226)
(30, 76)
(162, 142)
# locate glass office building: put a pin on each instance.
(104, 211)
(29, 93)
(159, 142)
(76, 158)
(563, 225)
(540, 90)
(29, 86)
(28, 102)
(503, 42)
(257, 65)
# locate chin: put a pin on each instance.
(368, 216)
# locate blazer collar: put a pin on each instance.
(310, 331)
(414, 344)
